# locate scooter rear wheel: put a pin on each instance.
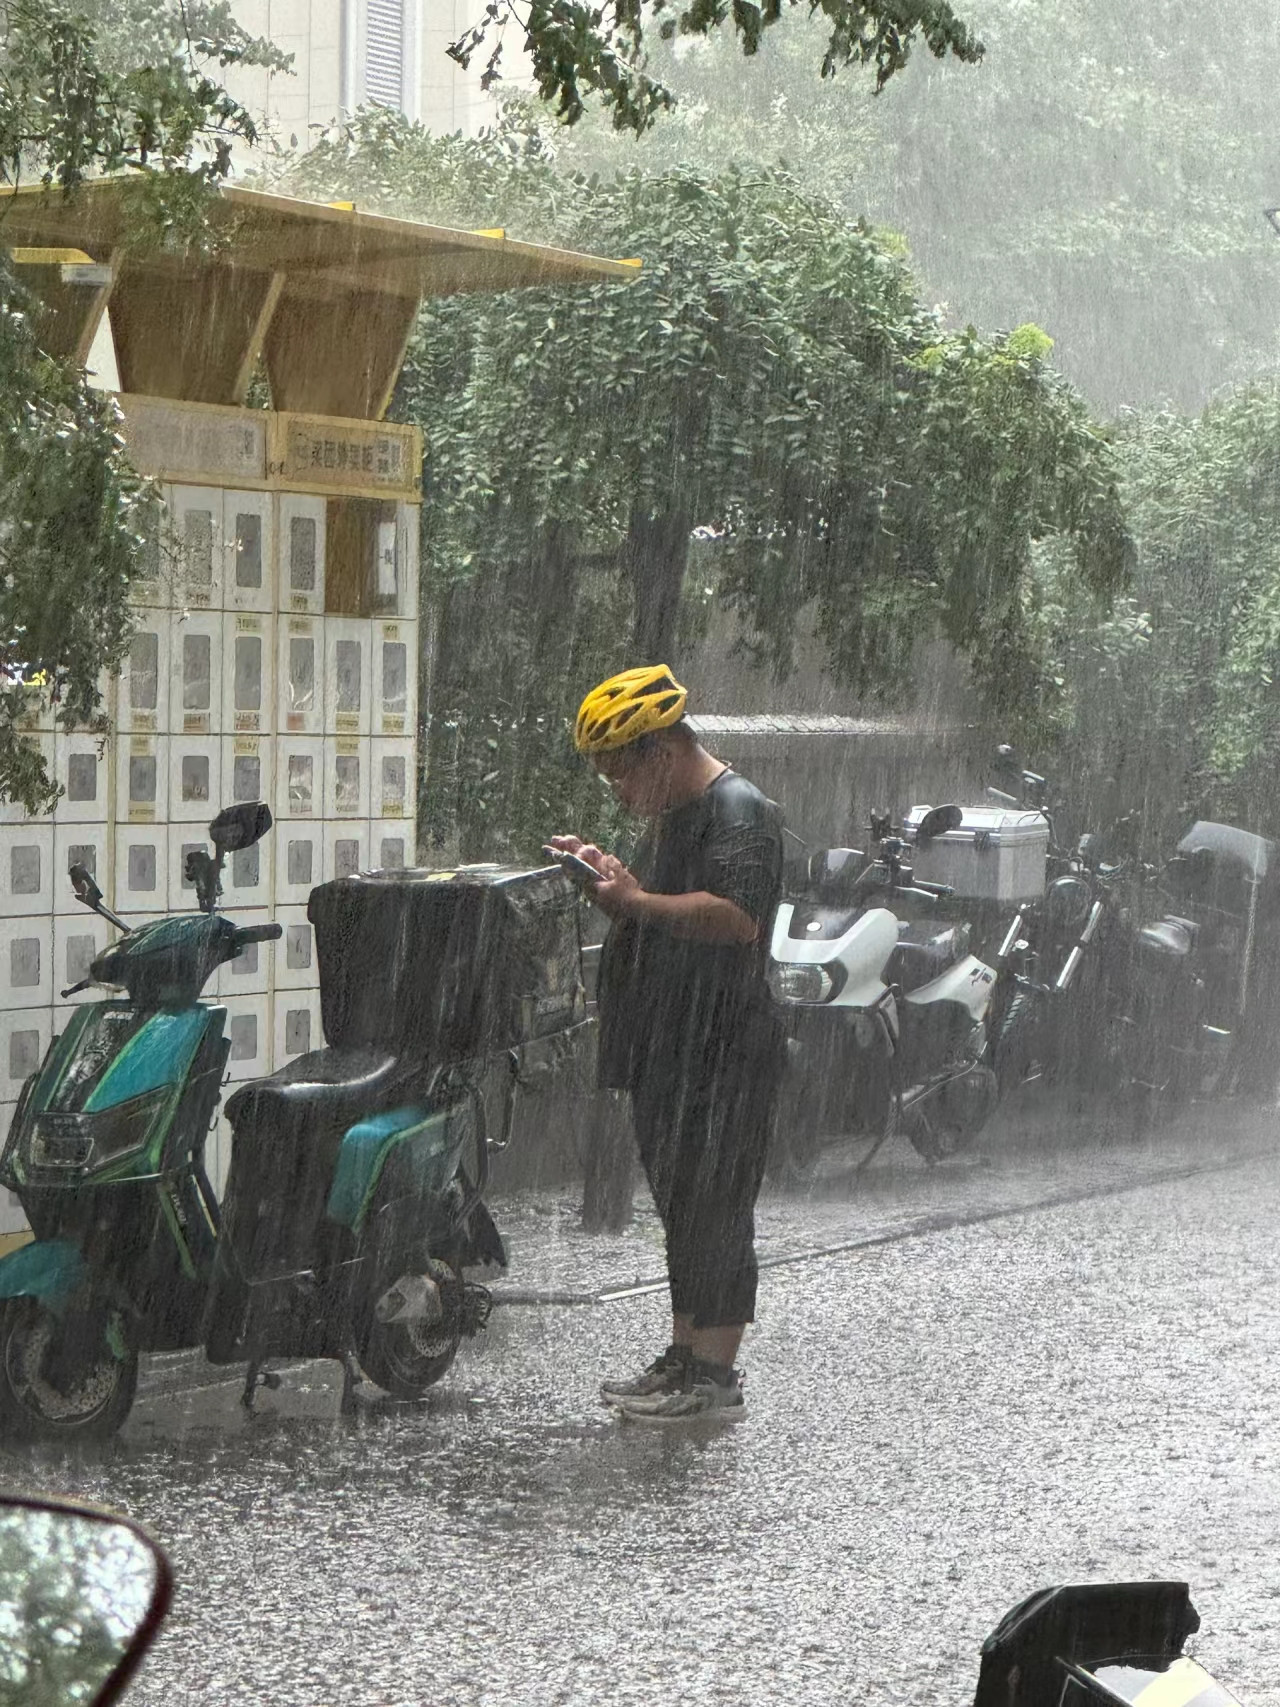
(406, 1358)
(61, 1377)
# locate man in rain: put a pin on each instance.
(685, 1021)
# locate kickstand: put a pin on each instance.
(352, 1378)
(874, 1151)
(257, 1377)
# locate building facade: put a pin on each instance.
(352, 53)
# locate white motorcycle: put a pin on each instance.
(886, 1003)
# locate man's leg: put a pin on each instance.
(608, 1185)
(711, 1260)
(654, 1122)
(718, 1345)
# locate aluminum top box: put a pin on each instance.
(997, 854)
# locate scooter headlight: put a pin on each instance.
(801, 985)
(72, 1142)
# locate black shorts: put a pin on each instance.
(703, 1140)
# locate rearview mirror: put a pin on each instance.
(1191, 874)
(83, 1593)
(1123, 835)
(238, 827)
(86, 889)
(939, 821)
(1007, 761)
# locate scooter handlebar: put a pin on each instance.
(258, 933)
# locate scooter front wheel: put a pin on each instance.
(64, 1376)
(405, 1357)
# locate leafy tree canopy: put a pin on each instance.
(579, 48)
(109, 85)
(1103, 171)
(770, 380)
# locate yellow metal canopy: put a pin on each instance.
(325, 295)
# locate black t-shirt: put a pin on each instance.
(672, 1005)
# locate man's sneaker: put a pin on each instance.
(666, 1374)
(704, 1396)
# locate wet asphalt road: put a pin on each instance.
(939, 1423)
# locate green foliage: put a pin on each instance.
(81, 95)
(91, 88)
(71, 525)
(1171, 699)
(578, 48)
(771, 378)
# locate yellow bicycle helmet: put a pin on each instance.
(627, 706)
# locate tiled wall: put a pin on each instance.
(238, 687)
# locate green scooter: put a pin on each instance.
(353, 1203)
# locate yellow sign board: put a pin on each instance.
(346, 455)
(196, 441)
(209, 445)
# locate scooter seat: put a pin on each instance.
(1167, 939)
(923, 953)
(335, 1087)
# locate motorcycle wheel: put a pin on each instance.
(60, 1377)
(829, 1118)
(936, 1141)
(406, 1358)
(944, 1125)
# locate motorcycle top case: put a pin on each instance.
(447, 965)
(995, 855)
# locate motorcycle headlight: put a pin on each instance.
(799, 984)
(81, 1141)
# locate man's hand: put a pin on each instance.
(619, 890)
(615, 893)
(584, 850)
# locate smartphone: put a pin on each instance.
(576, 870)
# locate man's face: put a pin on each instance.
(640, 781)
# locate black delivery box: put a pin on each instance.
(447, 965)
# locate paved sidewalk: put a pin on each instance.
(1031, 1157)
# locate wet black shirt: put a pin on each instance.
(675, 1006)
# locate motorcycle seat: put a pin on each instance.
(923, 953)
(1168, 938)
(334, 1086)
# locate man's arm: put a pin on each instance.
(698, 917)
(743, 858)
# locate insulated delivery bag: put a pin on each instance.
(447, 965)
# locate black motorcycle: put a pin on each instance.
(1156, 983)
(1195, 999)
